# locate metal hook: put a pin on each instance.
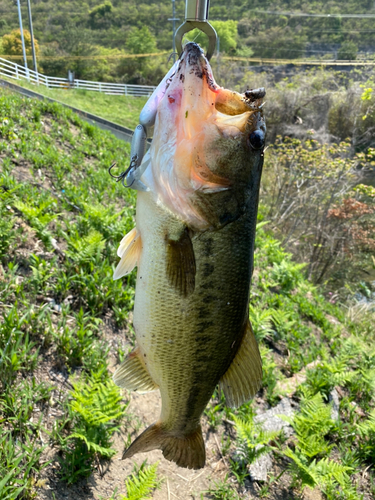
(172, 54)
(123, 175)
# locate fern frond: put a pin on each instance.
(92, 446)
(327, 469)
(368, 426)
(253, 440)
(101, 214)
(96, 409)
(260, 321)
(302, 470)
(83, 250)
(140, 486)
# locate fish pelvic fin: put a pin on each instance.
(186, 450)
(181, 267)
(244, 376)
(133, 375)
(130, 251)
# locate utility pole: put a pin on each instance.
(32, 36)
(22, 38)
(174, 19)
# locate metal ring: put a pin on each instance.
(204, 26)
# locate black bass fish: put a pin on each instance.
(193, 245)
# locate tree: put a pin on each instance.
(12, 43)
(348, 51)
(140, 41)
(226, 31)
(100, 16)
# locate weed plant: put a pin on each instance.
(93, 416)
(141, 484)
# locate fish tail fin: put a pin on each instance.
(186, 451)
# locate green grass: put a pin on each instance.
(62, 218)
(123, 110)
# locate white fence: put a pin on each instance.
(18, 72)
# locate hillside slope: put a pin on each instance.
(66, 323)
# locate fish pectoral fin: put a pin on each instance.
(130, 251)
(133, 375)
(244, 376)
(181, 263)
(186, 450)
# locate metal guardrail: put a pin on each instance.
(15, 71)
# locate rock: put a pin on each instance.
(334, 399)
(270, 421)
(258, 471)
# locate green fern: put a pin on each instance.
(311, 426)
(253, 440)
(282, 321)
(287, 274)
(302, 473)
(39, 218)
(366, 428)
(96, 402)
(316, 473)
(261, 322)
(366, 431)
(95, 412)
(139, 486)
(84, 250)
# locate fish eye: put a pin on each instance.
(256, 139)
(171, 99)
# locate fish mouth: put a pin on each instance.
(194, 62)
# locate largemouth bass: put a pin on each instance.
(193, 245)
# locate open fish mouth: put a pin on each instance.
(194, 61)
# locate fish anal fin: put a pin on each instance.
(133, 375)
(186, 450)
(181, 266)
(244, 376)
(130, 251)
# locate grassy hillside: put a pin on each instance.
(66, 323)
(123, 110)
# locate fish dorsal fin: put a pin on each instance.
(244, 376)
(133, 375)
(181, 263)
(130, 251)
(186, 450)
